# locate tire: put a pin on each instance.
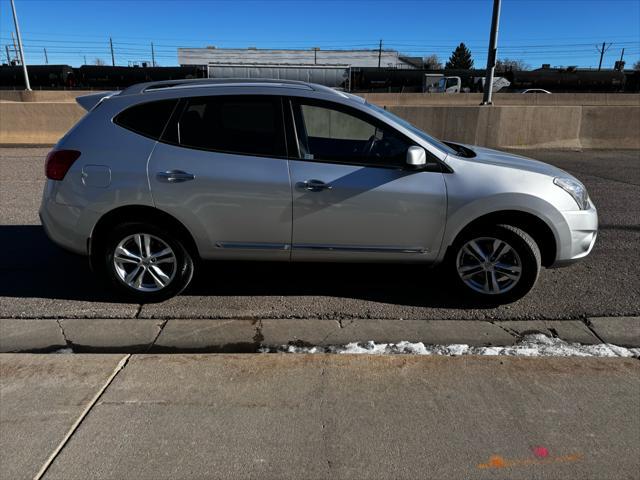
(159, 276)
(492, 272)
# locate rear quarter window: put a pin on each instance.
(148, 119)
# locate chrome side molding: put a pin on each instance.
(320, 247)
(253, 246)
(360, 248)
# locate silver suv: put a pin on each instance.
(161, 175)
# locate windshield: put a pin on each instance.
(414, 130)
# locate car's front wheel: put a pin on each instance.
(495, 264)
(145, 263)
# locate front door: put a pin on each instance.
(353, 197)
(221, 169)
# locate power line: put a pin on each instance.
(66, 48)
(370, 40)
(337, 45)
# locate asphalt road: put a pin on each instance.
(38, 280)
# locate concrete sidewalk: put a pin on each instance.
(275, 416)
(247, 336)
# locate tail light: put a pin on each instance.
(59, 162)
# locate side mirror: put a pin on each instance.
(416, 157)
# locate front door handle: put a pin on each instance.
(314, 185)
(174, 176)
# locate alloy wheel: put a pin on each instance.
(144, 262)
(489, 265)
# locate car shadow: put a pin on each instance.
(31, 266)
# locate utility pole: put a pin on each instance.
(24, 65)
(6, 47)
(619, 65)
(46, 58)
(85, 59)
(379, 53)
(113, 59)
(15, 47)
(491, 56)
(315, 55)
(153, 56)
(601, 51)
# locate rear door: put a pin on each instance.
(353, 197)
(221, 169)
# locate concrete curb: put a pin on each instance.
(247, 336)
(623, 331)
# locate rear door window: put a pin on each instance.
(148, 119)
(241, 124)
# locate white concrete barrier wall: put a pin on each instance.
(530, 126)
(474, 99)
(36, 123)
(43, 123)
(394, 99)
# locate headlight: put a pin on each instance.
(575, 189)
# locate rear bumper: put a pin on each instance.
(61, 224)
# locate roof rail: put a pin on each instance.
(212, 82)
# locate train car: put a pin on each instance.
(362, 79)
(101, 76)
(53, 77)
(40, 76)
(632, 81)
(562, 80)
(371, 79)
(553, 79)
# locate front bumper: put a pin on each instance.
(579, 236)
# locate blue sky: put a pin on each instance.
(560, 32)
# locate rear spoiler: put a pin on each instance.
(90, 101)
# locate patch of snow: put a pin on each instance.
(63, 351)
(534, 345)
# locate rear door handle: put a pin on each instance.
(174, 176)
(314, 185)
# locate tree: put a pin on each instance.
(99, 61)
(636, 66)
(432, 62)
(506, 64)
(460, 58)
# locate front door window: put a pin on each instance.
(338, 135)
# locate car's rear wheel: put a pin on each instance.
(145, 263)
(495, 264)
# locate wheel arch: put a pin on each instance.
(139, 213)
(532, 224)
